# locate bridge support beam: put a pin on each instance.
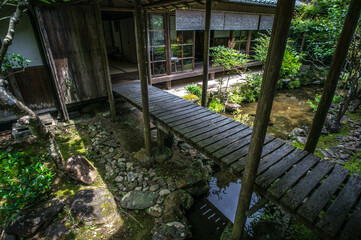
(143, 73)
(206, 45)
(281, 25)
(338, 62)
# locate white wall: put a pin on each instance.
(24, 42)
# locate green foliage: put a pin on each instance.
(291, 61)
(194, 89)
(242, 118)
(236, 98)
(24, 180)
(231, 59)
(314, 104)
(354, 165)
(249, 92)
(191, 97)
(216, 106)
(319, 25)
(300, 232)
(13, 60)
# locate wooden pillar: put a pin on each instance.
(147, 41)
(273, 64)
(207, 33)
(103, 49)
(249, 39)
(336, 66)
(143, 73)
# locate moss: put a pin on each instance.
(191, 97)
(136, 231)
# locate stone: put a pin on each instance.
(317, 82)
(30, 222)
(175, 205)
(301, 140)
(80, 169)
(231, 107)
(154, 188)
(163, 156)
(56, 230)
(111, 144)
(93, 206)
(297, 132)
(155, 211)
(138, 189)
(171, 230)
(331, 124)
(164, 192)
(106, 114)
(129, 166)
(139, 200)
(143, 159)
(130, 177)
(119, 179)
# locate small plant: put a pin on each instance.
(194, 89)
(216, 106)
(336, 100)
(242, 118)
(250, 91)
(236, 98)
(24, 180)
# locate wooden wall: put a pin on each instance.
(70, 34)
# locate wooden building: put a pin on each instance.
(77, 47)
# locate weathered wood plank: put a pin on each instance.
(289, 179)
(179, 119)
(200, 128)
(318, 200)
(173, 112)
(335, 215)
(225, 143)
(204, 119)
(274, 157)
(304, 187)
(222, 135)
(210, 134)
(352, 230)
(233, 147)
(277, 170)
(269, 145)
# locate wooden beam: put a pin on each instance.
(207, 33)
(103, 49)
(143, 74)
(160, 3)
(249, 39)
(336, 66)
(275, 55)
(147, 41)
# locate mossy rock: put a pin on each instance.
(191, 97)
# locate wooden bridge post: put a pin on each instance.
(275, 54)
(336, 66)
(207, 33)
(143, 73)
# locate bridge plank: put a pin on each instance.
(174, 115)
(246, 133)
(233, 147)
(186, 124)
(320, 197)
(210, 134)
(222, 135)
(200, 128)
(295, 197)
(290, 178)
(352, 229)
(179, 119)
(240, 155)
(335, 215)
(277, 170)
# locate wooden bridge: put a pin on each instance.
(321, 194)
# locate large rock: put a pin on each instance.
(93, 206)
(171, 231)
(143, 159)
(231, 107)
(297, 132)
(139, 200)
(56, 230)
(175, 205)
(81, 169)
(331, 124)
(29, 223)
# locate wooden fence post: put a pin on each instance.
(207, 34)
(338, 61)
(143, 74)
(275, 54)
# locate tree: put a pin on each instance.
(10, 102)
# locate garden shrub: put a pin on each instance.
(216, 106)
(242, 118)
(249, 92)
(194, 89)
(24, 180)
(291, 61)
(229, 58)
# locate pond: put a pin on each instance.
(290, 109)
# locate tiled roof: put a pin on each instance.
(261, 2)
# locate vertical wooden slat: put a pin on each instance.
(249, 38)
(103, 49)
(337, 64)
(147, 44)
(275, 54)
(143, 74)
(50, 58)
(206, 52)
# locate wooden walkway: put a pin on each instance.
(321, 194)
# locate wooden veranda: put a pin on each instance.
(321, 194)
